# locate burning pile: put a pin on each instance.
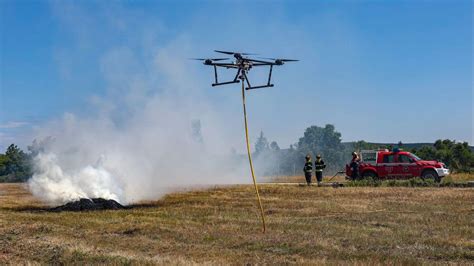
(89, 205)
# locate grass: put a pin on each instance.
(453, 180)
(306, 225)
(412, 182)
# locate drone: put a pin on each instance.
(243, 64)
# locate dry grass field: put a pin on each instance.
(458, 177)
(306, 225)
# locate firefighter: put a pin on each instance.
(355, 166)
(308, 169)
(318, 168)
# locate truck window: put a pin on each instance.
(403, 158)
(389, 158)
(369, 157)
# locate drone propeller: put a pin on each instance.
(281, 59)
(232, 53)
(212, 59)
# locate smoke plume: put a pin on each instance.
(152, 133)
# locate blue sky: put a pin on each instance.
(381, 71)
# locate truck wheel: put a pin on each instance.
(369, 174)
(430, 174)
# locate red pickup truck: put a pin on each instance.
(385, 164)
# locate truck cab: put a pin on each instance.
(397, 164)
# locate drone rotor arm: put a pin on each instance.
(263, 64)
(226, 65)
(281, 59)
(258, 61)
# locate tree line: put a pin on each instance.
(271, 160)
(15, 165)
(326, 141)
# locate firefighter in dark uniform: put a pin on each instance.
(308, 169)
(355, 166)
(318, 168)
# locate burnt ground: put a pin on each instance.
(89, 205)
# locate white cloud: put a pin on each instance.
(13, 124)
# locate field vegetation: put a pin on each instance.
(220, 225)
(457, 179)
(16, 165)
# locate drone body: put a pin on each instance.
(243, 64)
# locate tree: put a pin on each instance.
(4, 161)
(289, 161)
(15, 156)
(462, 156)
(444, 144)
(261, 145)
(425, 152)
(457, 156)
(15, 165)
(274, 146)
(325, 141)
(363, 145)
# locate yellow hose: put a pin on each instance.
(250, 159)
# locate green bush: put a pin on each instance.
(366, 182)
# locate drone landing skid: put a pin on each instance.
(238, 81)
(259, 87)
(225, 83)
(241, 75)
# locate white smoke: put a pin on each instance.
(54, 185)
(139, 143)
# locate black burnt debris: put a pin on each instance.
(89, 205)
